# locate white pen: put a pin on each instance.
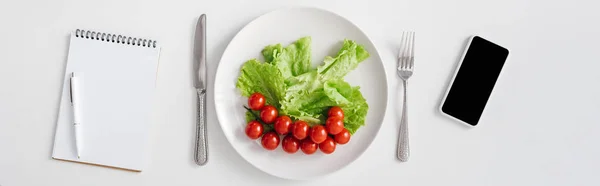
(75, 105)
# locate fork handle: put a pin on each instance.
(403, 150)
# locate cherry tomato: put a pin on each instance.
(300, 129)
(282, 124)
(254, 129)
(268, 114)
(290, 144)
(336, 112)
(318, 134)
(334, 125)
(291, 128)
(256, 101)
(308, 146)
(342, 137)
(270, 140)
(328, 146)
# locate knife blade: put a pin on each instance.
(201, 148)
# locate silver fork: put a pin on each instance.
(406, 61)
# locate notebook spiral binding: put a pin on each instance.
(114, 38)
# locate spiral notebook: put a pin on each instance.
(117, 76)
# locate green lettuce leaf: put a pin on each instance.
(293, 60)
(310, 95)
(351, 101)
(288, 82)
(338, 91)
(252, 115)
(355, 113)
(312, 106)
(305, 98)
(263, 78)
(305, 83)
(347, 59)
(271, 52)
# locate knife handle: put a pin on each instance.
(201, 152)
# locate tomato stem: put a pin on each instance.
(267, 127)
(255, 116)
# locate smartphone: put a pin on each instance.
(473, 81)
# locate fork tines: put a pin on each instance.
(406, 54)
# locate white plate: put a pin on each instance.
(285, 26)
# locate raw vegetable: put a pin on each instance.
(345, 61)
(328, 145)
(256, 101)
(254, 130)
(290, 144)
(300, 129)
(288, 82)
(270, 141)
(292, 60)
(318, 134)
(342, 137)
(268, 114)
(336, 112)
(334, 125)
(253, 115)
(308, 146)
(263, 78)
(282, 125)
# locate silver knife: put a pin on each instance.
(200, 83)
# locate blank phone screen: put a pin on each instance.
(475, 80)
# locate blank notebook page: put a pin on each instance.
(117, 82)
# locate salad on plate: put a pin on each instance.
(307, 108)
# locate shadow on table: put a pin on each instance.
(449, 80)
(59, 97)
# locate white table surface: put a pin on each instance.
(541, 126)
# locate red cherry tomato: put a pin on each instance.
(282, 124)
(328, 146)
(291, 128)
(290, 144)
(270, 140)
(318, 134)
(334, 125)
(342, 137)
(336, 112)
(256, 101)
(268, 114)
(300, 129)
(254, 129)
(308, 146)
